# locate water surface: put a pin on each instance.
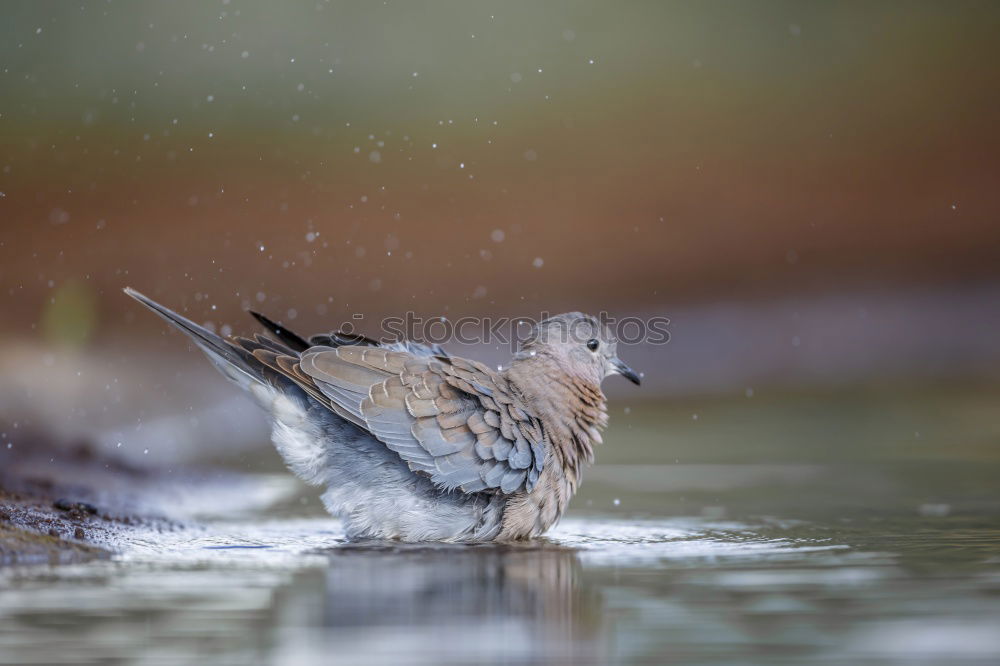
(877, 560)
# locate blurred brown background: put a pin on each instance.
(808, 190)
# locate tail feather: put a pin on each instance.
(227, 357)
(291, 339)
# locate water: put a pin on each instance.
(876, 561)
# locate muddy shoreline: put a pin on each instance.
(62, 503)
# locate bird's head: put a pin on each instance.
(579, 344)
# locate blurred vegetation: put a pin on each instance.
(70, 316)
(649, 153)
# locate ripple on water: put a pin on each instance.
(644, 542)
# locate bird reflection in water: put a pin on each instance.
(517, 604)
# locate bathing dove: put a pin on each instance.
(412, 444)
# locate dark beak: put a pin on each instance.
(626, 372)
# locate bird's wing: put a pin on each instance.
(452, 419)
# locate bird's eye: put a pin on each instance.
(593, 344)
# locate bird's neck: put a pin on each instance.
(572, 409)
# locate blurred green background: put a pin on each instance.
(808, 190)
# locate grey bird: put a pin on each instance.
(412, 444)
